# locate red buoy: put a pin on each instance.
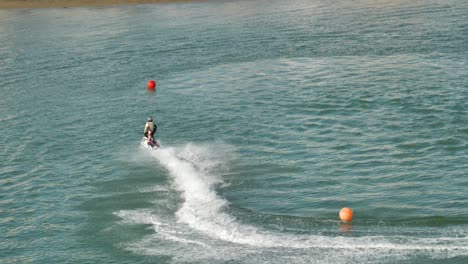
(151, 84)
(346, 214)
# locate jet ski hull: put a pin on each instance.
(144, 143)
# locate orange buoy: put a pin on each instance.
(346, 214)
(151, 84)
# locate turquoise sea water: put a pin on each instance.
(272, 115)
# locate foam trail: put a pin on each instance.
(204, 231)
(204, 210)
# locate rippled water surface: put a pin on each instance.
(273, 115)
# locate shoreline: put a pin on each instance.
(30, 4)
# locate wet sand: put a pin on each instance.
(12, 4)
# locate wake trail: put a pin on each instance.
(203, 210)
(202, 228)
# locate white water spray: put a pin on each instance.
(204, 214)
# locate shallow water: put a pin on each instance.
(272, 117)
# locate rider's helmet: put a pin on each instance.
(150, 119)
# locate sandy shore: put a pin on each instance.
(11, 4)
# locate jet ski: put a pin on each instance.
(145, 143)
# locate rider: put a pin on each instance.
(150, 126)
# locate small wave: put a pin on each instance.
(156, 188)
(8, 117)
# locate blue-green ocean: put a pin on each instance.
(272, 116)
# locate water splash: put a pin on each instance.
(204, 222)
